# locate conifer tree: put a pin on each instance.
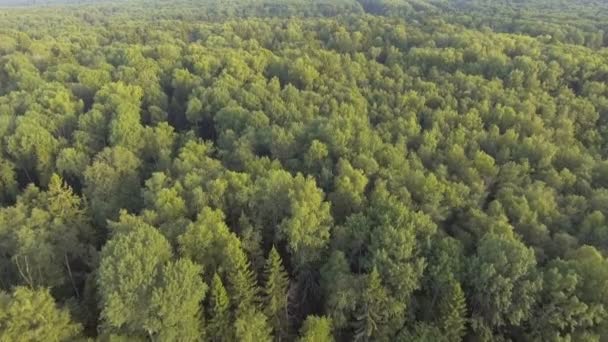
(275, 294)
(219, 327)
(245, 290)
(453, 312)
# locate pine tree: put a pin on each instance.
(219, 327)
(453, 312)
(275, 295)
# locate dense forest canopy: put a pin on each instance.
(292, 170)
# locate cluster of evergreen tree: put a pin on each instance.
(303, 171)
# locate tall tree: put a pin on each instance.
(33, 149)
(50, 240)
(244, 287)
(375, 310)
(112, 183)
(130, 264)
(452, 312)
(8, 181)
(219, 327)
(276, 295)
(349, 195)
(176, 299)
(504, 283)
(307, 230)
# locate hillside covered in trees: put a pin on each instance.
(304, 170)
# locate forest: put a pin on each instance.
(304, 170)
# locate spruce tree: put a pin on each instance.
(219, 327)
(245, 290)
(453, 312)
(275, 294)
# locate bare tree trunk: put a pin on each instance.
(27, 277)
(67, 263)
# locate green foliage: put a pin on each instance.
(297, 208)
(375, 310)
(452, 313)
(33, 148)
(130, 264)
(175, 302)
(8, 181)
(244, 288)
(112, 183)
(307, 230)
(251, 326)
(219, 327)
(504, 282)
(340, 287)
(316, 329)
(48, 238)
(32, 315)
(209, 242)
(276, 294)
(349, 196)
(422, 332)
(386, 170)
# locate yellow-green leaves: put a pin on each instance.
(32, 315)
